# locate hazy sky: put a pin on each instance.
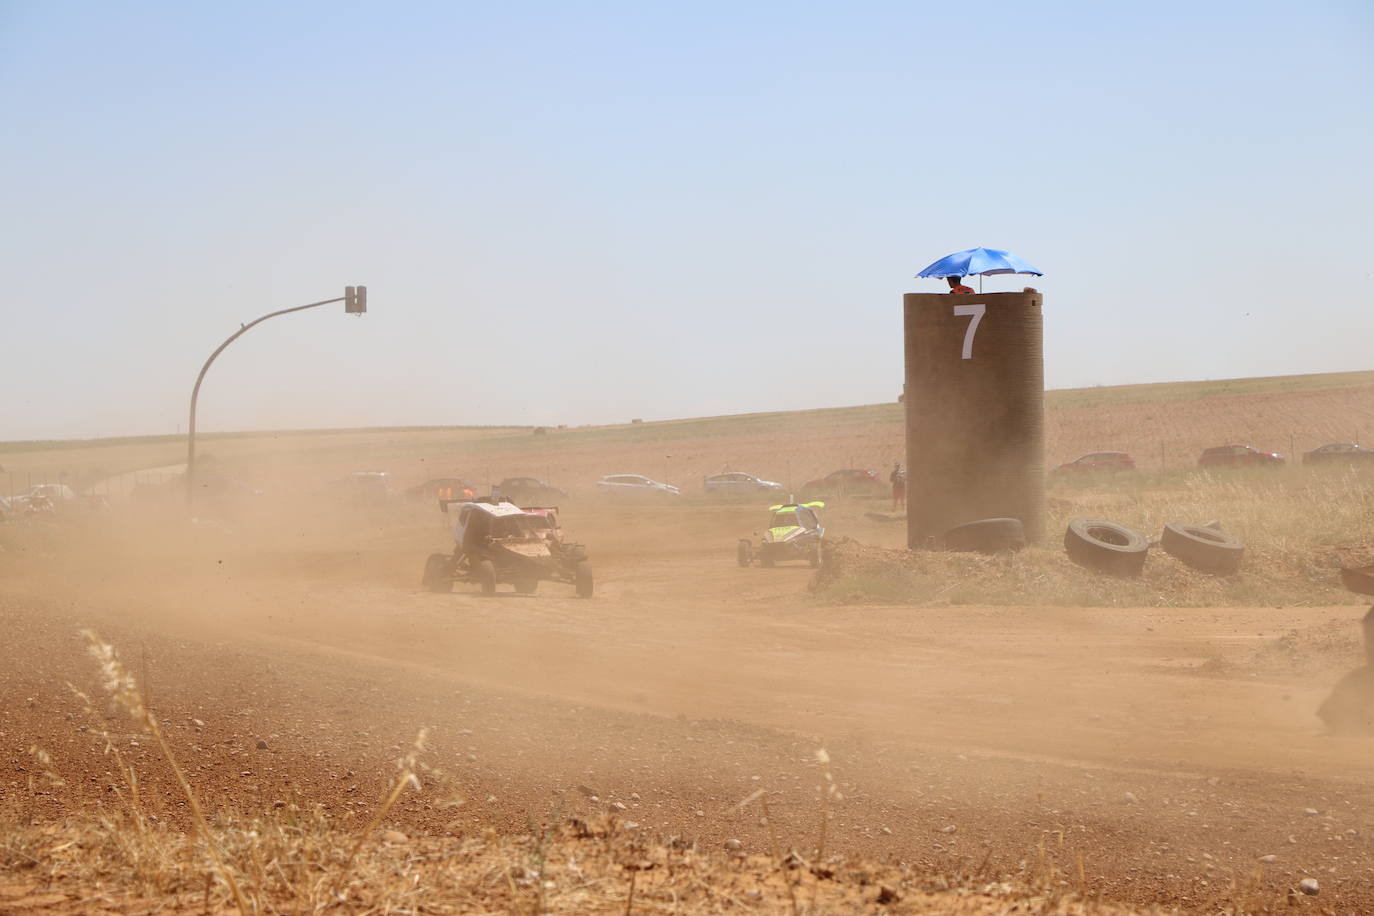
(590, 212)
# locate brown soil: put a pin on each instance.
(1171, 748)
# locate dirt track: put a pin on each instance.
(1172, 748)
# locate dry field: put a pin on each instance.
(1164, 425)
(1003, 735)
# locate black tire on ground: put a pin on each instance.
(742, 553)
(485, 573)
(437, 574)
(526, 585)
(1203, 548)
(988, 535)
(815, 557)
(1350, 707)
(1359, 580)
(582, 578)
(1106, 546)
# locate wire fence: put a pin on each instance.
(114, 488)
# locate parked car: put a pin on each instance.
(58, 499)
(629, 486)
(846, 482)
(1109, 462)
(442, 488)
(31, 508)
(529, 491)
(1339, 453)
(368, 487)
(56, 492)
(1238, 456)
(737, 483)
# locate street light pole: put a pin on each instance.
(355, 303)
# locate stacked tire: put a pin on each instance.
(1111, 548)
(1106, 546)
(988, 535)
(1204, 548)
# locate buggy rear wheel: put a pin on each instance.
(438, 573)
(485, 573)
(526, 584)
(742, 553)
(582, 578)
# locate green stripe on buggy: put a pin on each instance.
(790, 507)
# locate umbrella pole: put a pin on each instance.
(980, 287)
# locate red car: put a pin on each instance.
(1238, 456)
(846, 482)
(1098, 462)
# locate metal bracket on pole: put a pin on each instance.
(355, 303)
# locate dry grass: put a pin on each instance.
(1299, 528)
(289, 863)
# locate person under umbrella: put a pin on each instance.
(982, 262)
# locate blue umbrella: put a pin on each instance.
(981, 261)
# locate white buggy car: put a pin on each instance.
(499, 542)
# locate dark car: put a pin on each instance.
(1339, 453)
(737, 483)
(529, 491)
(1108, 462)
(368, 487)
(847, 482)
(1238, 456)
(442, 488)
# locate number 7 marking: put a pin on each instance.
(976, 311)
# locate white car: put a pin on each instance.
(56, 492)
(632, 485)
(736, 482)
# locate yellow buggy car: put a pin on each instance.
(794, 533)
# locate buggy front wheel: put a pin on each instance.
(485, 573)
(438, 573)
(582, 579)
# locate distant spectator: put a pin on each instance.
(898, 479)
(956, 286)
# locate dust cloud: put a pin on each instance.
(284, 637)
